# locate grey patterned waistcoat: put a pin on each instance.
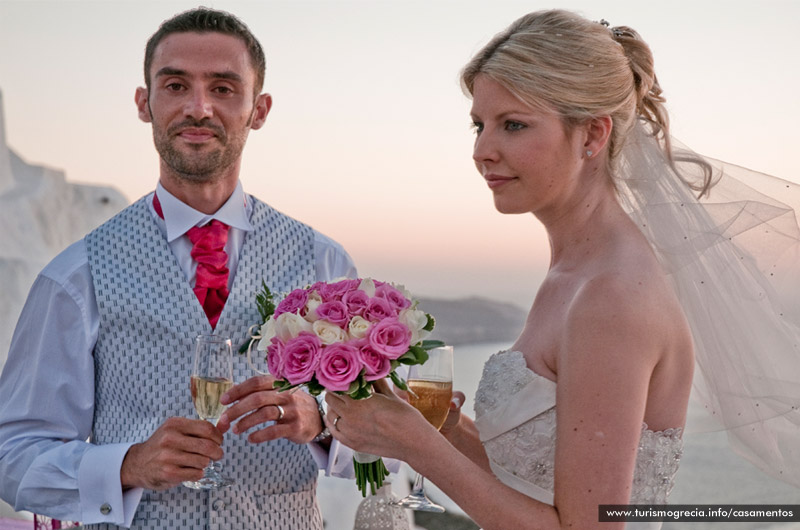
(149, 317)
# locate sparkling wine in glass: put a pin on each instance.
(212, 376)
(431, 388)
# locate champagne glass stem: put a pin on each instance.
(417, 500)
(419, 485)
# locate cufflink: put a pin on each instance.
(105, 509)
(325, 433)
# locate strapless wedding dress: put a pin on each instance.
(516, 416)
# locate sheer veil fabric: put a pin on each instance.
(734, 261)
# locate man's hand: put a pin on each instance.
(256, 402)
(177, 451)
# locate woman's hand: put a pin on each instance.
(382, 425)
(454, 414)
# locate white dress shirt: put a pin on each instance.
(47, 385)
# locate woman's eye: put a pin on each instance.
(477, 127)
(514, 125)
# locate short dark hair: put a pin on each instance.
(204, 20)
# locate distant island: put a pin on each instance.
(474, 320)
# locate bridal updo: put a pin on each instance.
(560, 61)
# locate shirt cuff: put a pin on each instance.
(335, 462)
(102, 498)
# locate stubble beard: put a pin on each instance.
(195, 163)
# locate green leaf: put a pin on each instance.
(419, 353)
(265, 302)
(398, 381)
(362, 393)
(281, 385)
(431, 344)
(243, 348)
(431, 322)
(354, 387)
(314, 388)
(407, 358)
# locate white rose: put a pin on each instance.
(314, 301)
(329, 333)
(290, 325)
(267, 331)
(415, 320)
(368, 286)
(402, 288)
(358, 327)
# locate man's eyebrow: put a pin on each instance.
(167, 70)
(229, 75)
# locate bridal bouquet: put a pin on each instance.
(340, 337)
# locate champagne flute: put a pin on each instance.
(212, 376)
(431, 388)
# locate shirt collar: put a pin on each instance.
(179, 217)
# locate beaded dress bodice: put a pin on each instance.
(516, 416)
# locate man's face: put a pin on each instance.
(201, 103)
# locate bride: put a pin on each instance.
(589, 405)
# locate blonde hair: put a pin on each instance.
(558, 60)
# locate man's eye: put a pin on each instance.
(223, 90)
(175, 87)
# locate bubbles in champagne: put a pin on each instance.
(206, 392)
(432, 399)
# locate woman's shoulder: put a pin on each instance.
(631, 303)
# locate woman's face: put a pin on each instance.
(529, 161)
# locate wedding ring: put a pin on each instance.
(335, 421)
(281, 412)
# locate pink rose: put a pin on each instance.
(393, 296)
(335, 291)
(379, 309)
(334, 312)
(301, 356)
(275, 357)
(376, 365)
(390, 337)
(293, 303)
(339, 366)
(356, 302)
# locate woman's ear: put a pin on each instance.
(598, 132)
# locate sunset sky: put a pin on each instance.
(369, 139)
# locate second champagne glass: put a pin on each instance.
(212, 376)
(431, 388)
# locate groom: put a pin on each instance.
(103, 348)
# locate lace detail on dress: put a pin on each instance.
(503, 374)
(528, 450)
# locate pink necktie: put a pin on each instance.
(211, 278)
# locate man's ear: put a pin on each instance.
(141, 99)
(261, 110)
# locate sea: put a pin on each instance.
(710, 473)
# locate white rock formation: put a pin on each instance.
(40, 215)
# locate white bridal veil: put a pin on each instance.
(734, 258)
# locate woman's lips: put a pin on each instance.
(495, 181)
